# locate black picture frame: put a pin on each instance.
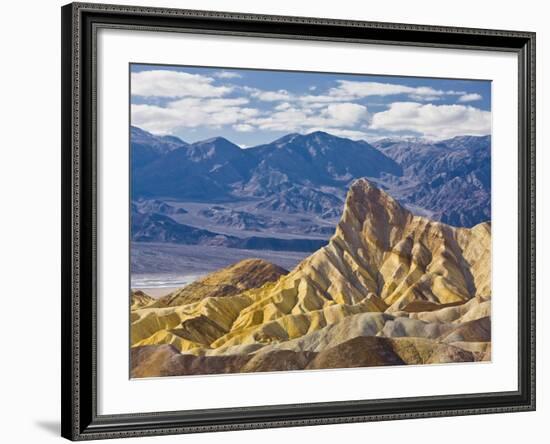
(80, 22)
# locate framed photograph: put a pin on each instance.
(281, 221)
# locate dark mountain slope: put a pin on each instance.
(322, 159)
(203, 170)
(448, 180)
(156, 227)
(146, 147)
(215, 169)
(451, 178)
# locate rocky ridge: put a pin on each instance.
(390, 288)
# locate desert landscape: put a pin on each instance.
(286, 220)
(389, 288)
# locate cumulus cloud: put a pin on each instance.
(348, 91)
(271, 96)
(347, 114)
(243, 128)
(283, 106)
(470, 97)
(433, 121)
(227, 75)
(355, 89)
(289, 120)
(424, 98)
(164, 83)
(192, 113)
(171, 101)
(322, 99)
(295, 118)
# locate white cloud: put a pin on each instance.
(227, 75)
(272, 96)
(243, 128)
(470, 97)
(350, 90)
(314, 106)
(334, 116)
(154, 118)
(288, 120)
(348, 114)
(192, 113)
(208, 105)
(163, 83)
(323, 99)
(364, 89)
(197, 101)
(424, 98)
(283, 106)
(433, 121)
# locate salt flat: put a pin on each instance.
(150, 259)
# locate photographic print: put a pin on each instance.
(285, 221)
(249, 198)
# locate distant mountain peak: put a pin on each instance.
(298, 137)
(139, 133)
(287, 138)
(319, 133)
(469, 136)
(173, 139)
(215, 148)
(215, 140)
(318, 136)
(447, 180)
(137, 130)
(148, 147)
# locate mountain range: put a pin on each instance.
(390, 288)
(155, 227)
(449, 181)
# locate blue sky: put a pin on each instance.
(250, 107)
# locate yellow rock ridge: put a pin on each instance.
(381, 259)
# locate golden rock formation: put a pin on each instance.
(414, 286)
(139, 299)
(246, 274)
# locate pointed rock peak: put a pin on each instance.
(371, 208)
(363, 192)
